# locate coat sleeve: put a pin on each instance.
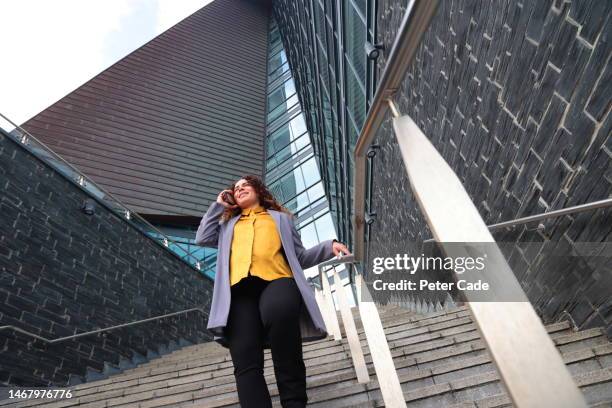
(312, 256)
(208, 231)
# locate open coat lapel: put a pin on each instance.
(220, 304)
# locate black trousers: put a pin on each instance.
(259, 307)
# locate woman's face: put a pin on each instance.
(245, 194)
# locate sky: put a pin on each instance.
(50, 48)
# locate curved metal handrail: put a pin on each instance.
(339, 260)
(60, 339)
(416, 20)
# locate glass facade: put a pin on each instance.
(325, 46)
(292, 172)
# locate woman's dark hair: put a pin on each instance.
(266, 199)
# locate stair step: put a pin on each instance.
(439, 357)
(402, 326)
(465, 392)
(347, 374)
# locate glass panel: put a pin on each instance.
(280, 95)
(277, 60)
(309, 235)
(355, 39)
(284, 109)
(285, 134)
(316, 192)
(283, 155)
(311, 172)
(290, 164)
(355, 97)
(278, 72)
(361, 6)
(353, 135)
(325, 227)
(319, 21)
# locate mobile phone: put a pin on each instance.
(229, 198)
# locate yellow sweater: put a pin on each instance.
(257, 248)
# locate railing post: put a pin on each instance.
(321, 301)
(530, 366)
(388, 381)
(328, 303)
(351, 331)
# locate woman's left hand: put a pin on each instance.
(339, 247)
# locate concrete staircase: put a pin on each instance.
(440, 358)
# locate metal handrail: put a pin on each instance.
(521, 360)
(348, 321)
(339, 260)
(84, 180)
(552, 214)
(417, 16)
(380, 353)
(60, 339)
(547, 215)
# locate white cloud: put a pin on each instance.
(49, 48)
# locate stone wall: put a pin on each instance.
(516, 97)
(63, 272)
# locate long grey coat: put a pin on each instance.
(215, 234)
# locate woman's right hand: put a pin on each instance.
(224, 203)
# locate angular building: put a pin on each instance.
(103, 190)
(170, 125)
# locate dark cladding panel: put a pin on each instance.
(168, 126)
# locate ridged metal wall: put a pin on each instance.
(168, 126)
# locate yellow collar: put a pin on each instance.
(256, 210)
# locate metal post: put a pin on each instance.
(388, 381)
(334, 327)
(351, 331)
(321, 301)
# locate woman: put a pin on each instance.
(260, 266)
